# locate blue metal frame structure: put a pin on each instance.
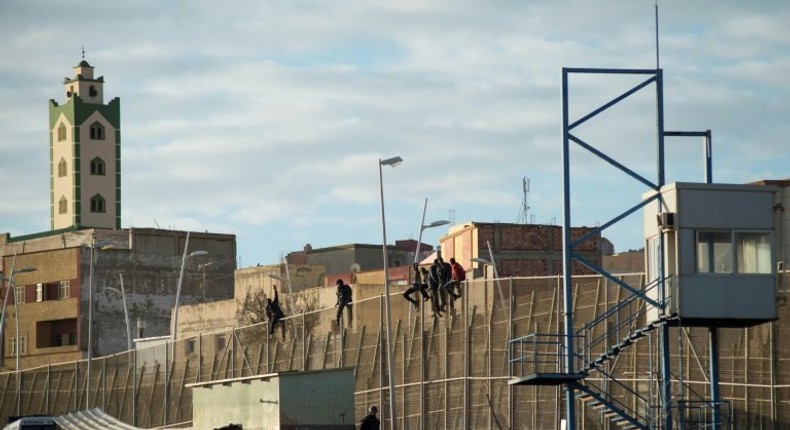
(653, 77)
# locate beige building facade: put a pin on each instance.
(52, 303)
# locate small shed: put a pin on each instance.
(321, 399)
(718, 253)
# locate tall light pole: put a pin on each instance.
(122, 293)
(394, 161)
(485, 262)
(94, 244)
(10, 280)
(174, 329)
(423, 226)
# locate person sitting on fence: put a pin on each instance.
(457, 275)
(438, 303)
(418, 285)
(446, 284)
(275, 314)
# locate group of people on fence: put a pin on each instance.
(441, 284)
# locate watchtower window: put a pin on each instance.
(62, 168)
(753, 252)
(61, 132)
(734, 252)
(97, 166)
(63, 205)
(714, 252)
(98, 204)
(97, 131)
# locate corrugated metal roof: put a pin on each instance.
(91, 419)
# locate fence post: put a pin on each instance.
(46, 392)
(381, 355)
(465, 318)
(134, 388)
(103, 383)
(168, 345)
(304, 344)
(511, 301)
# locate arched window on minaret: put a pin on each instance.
(97, 166)
(61, 132)
(97, 131)
(62, 168)
(63, 205)
(97, 204)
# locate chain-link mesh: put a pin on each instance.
(450, 372)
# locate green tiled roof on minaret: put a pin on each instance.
(86, 133)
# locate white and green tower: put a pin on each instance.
(85, 155)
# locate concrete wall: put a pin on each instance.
(338, 259)
(204, 317)
(316, 399)
(302, 276)
(625, 262)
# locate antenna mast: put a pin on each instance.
(657, 62)
(522, 214)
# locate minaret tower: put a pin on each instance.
(85, 154)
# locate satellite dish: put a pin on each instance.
(355, 268)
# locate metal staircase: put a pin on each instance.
(539, 359)
(615, 410)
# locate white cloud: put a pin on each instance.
(266, 119)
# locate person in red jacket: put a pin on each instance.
(458, 275)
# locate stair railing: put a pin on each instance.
(536, 353)
(641, 414)
(697, 410)
(627, 314)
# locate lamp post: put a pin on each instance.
(174, 329)
(394, 161)
(10, 280)
(122, 293)
(424, 226)
(496, 277)
(94, 244)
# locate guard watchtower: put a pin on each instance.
(718, 254)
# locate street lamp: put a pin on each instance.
(394, 161)
(10, 280)
(122, 293)
(94, 244)
(496, 277)
(174, 330)
(423, 226)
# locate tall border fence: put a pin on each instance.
(450, 372)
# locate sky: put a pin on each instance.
(266, 119)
